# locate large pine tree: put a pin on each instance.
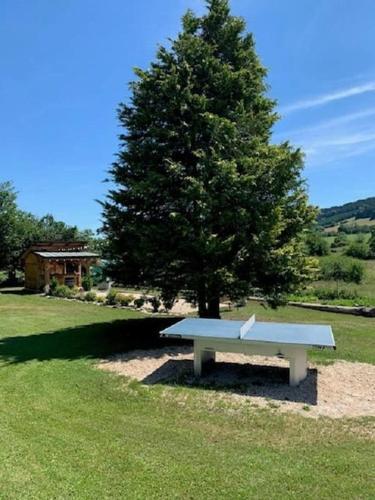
(203, 202)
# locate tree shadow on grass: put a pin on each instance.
(95, 340)
(100, 340)
(246, 379)
(16, 290)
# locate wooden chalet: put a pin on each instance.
(67, 261)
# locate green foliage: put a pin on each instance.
(90, 297)
(371, 244)
(333, 293)
(168, 300)
(124, 300)
(203, 202)
(356, 272)
(316, 244)
(111, 298)
(354, 228)
(342, 269)
(155, 303)
(340, 299)
(16, 229)
(63, 291)
(358, 249)
(53, 285)
(87, 283)
(99, 271)
(19, 229)
(340, 241)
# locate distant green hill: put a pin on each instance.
(349, 213)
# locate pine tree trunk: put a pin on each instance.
(202, 299)
(213, 310)
(202, 309)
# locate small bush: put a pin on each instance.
(90, 297)
(100, 299)
(168, 300)
(53, 285)
(124, 300)
(139, 302)
(358, 250)
(155, 303)
(342, 269)
(340, 241)
(316, 244)
(356, 272)
(63, 291)
(87, 283)
(111, 298)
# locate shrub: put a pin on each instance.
(371, 244)
(63, 291)
(111, 298)
(155, 303)
(342, 269)
(139, 302)
(168, 300)
(340, 241)
(356, 272)
(316, 244)
(100, 299)
(53, 285)
(358, 249)
(87, 283)
(90, 297)
(124, 300)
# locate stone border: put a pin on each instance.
(368, 312)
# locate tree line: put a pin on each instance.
(19, 229)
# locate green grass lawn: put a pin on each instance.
(69, 430)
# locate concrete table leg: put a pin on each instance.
(197, 359)
(201, 356)
(297, 367)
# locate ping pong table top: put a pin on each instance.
(279, 333)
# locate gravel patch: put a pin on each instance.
(339, 390)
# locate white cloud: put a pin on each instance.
(332, 140)
(332, 123)
(334, 147)
(327, 98)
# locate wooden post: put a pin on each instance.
(79, 274)
(46, 273)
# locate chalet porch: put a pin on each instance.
(67, 262)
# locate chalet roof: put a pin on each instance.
(55, 246)
(66, 255)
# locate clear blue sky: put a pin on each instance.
(65, 65)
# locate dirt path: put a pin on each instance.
(339, 390)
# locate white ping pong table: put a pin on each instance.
(285, 340)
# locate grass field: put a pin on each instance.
(69, 430)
